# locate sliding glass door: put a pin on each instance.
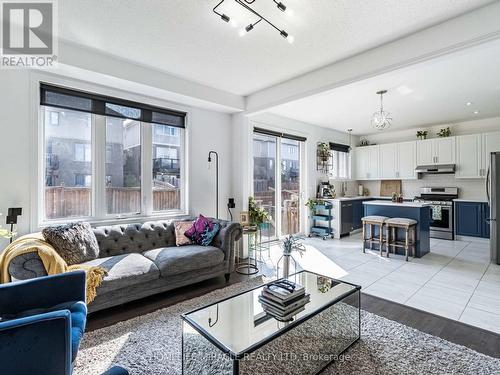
(277, 181)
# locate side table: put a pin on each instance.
(249, 266)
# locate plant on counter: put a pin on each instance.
(257, 214)
(422, 134)
(324, 151)
(445, 132)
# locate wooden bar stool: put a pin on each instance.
(410, 227)
(374, 221)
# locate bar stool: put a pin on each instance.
(410, 227)
(374, 221)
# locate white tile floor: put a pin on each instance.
(455, 280)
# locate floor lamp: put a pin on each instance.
(216, 179)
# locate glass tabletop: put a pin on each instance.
(239, 323)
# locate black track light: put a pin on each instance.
(249, 28)
(225, 17)
(284, 34)
(281, 6)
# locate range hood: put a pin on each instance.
(436, 169)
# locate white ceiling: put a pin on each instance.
(184, 37)
(429, 93)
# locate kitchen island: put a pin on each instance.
(409, 210)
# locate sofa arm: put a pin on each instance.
(26, 266)
(226, 239)
(38, 344)
(42, 292)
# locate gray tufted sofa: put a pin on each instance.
(142, 260)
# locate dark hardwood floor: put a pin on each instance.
(483, 341)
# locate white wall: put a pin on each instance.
(469, 188)
(208, 130)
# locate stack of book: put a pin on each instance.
(283, 299)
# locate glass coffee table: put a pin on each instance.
(236, 336)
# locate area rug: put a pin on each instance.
(151, 344)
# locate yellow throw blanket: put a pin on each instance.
(52, 262)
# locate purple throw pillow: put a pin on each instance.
(203, 231)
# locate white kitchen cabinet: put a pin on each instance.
(469, 156)
(397, 160)
(388, 160)
(367, 162)
(406, 162)
(491, 143)
(424, 152)
(436, 151)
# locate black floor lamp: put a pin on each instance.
(216, 180)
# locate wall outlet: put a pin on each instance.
(230, 203)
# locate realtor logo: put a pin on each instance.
(28, 33)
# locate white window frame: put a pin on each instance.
(98, 210)
(335, 167)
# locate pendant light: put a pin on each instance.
(381, 119)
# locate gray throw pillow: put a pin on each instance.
(74, 242)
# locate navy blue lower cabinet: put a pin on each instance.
(470, 219)
(357, 208)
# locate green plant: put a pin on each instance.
(422, 134)
(5, 233)
(324, 150)
(445, 132)
(311, 202)
(291, 244)
(257, 214)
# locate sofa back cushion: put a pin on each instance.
(134, 238)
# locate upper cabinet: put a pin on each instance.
(367, 167)
(436, 151)
(473, 154)
(491, 143)
(469, 156)
(397, 160)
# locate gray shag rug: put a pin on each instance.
(151, 344)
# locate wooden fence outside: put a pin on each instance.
(61, 201)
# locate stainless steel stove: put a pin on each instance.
(441, 201)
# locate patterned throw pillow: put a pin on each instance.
(74, 242)
(203, 231)
(180, 228)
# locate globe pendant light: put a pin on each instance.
(381, 119)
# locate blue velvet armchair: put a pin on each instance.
(42, 322)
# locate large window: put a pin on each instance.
(341, 161)
(104, 157)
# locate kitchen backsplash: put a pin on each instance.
(468, 189)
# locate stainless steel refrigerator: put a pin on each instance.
(493, 193)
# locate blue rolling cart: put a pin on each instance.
(322, 212)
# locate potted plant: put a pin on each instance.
(257, 215)
(422, 134)
(311, 203)
(289, 245)
(444, 132)
(324, 151)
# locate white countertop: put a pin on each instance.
(471, 200)
(358, 198)
(404, 204)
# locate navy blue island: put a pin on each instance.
(420, 212)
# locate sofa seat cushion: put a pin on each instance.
(124, 270)
(175, 260)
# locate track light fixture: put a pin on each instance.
(246, 4)
(280, 5)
